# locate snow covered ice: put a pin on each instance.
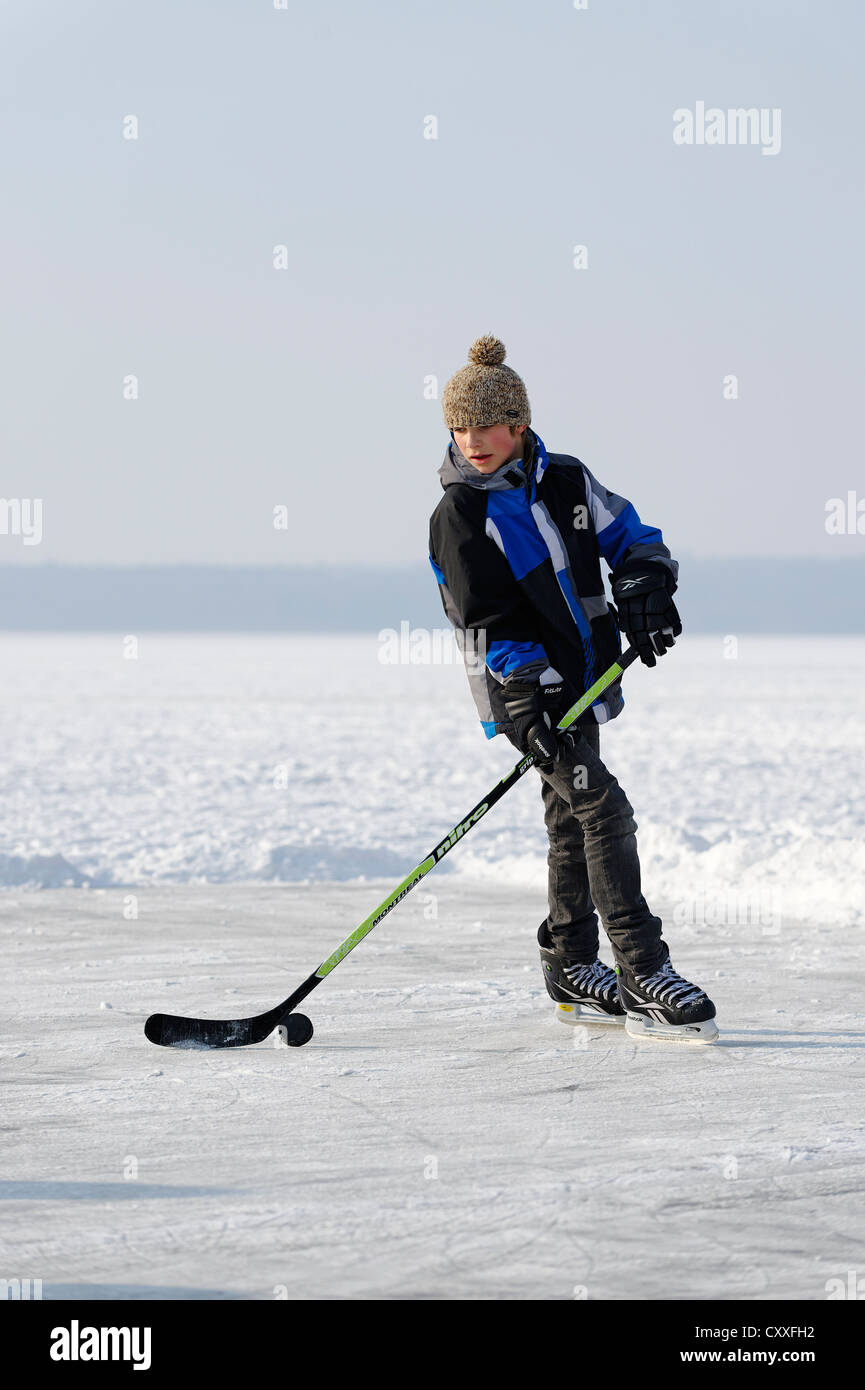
(442, 1136)
(247, 759)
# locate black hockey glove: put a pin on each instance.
(534, 710)
(642, 593)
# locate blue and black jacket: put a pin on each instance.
(517, 555)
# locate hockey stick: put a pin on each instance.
(169, 1030)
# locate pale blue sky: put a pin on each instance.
(305, 386)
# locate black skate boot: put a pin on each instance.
(663, 1005)
(583, 993)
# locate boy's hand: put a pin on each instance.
(647, 613)
(535, 709)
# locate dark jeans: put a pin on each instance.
(593, 863)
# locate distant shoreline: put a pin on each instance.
(744, 594)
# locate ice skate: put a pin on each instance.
(583, 993)
(664, 1006)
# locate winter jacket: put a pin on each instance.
(517, 555)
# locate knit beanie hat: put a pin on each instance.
(485, 392)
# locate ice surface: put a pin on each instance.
(307, 759)
(442, 1136)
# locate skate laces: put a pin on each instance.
(669, 987)
(596, 978)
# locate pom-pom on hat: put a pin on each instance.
(485, 392)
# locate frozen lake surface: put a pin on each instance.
(238, 805)
(307, 759)
(442, 1135)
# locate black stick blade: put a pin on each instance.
(169, 1030)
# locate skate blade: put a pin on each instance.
(578, 1014)
(636, 1026)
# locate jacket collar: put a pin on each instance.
(456, 468)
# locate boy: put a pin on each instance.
(516, 544)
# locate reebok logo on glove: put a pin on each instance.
(643, 593)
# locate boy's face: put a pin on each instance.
(487, 447)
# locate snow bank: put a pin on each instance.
(293, 758)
